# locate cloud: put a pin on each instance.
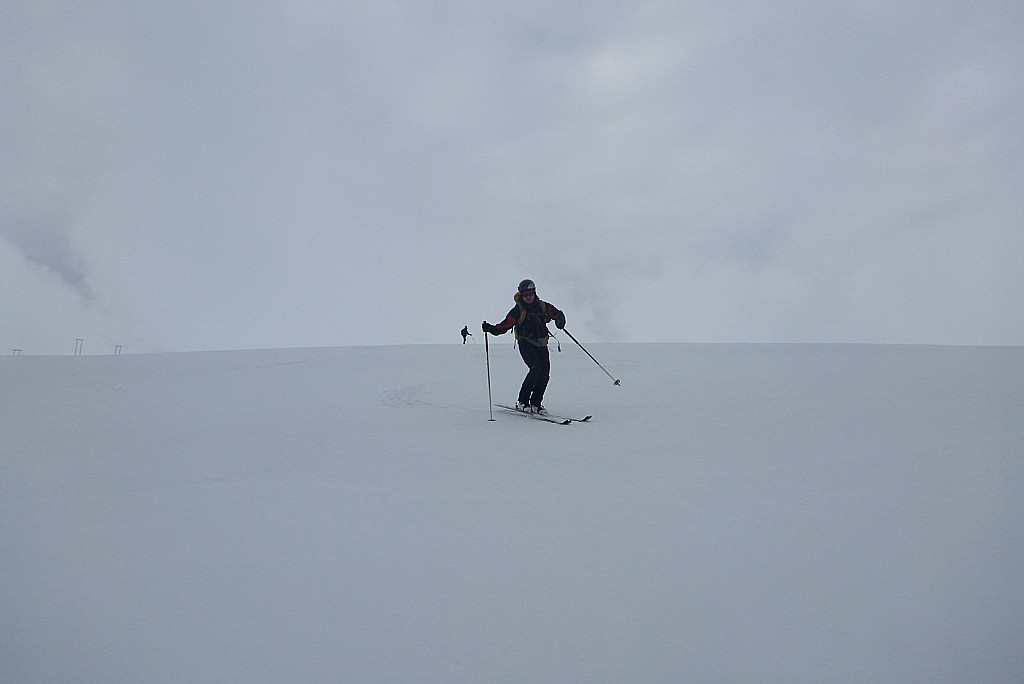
(715, 172)
(44, 241)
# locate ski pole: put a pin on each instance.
(490, 402)
(590, 355)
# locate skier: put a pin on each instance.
(465, 333)
(530, 317)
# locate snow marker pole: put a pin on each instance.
(490, 402)
(590, 355)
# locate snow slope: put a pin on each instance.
(734, 513)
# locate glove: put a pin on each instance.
(488, 328)
(560, 323)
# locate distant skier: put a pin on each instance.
(530, 317)
(465, 333)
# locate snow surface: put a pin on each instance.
(734, 513)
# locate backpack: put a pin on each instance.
(523, 314)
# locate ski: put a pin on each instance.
(549, 418)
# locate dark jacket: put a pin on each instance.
(531, 321)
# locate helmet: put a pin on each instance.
(527, 285)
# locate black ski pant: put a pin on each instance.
(536, 381)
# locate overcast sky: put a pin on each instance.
(219, 175)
